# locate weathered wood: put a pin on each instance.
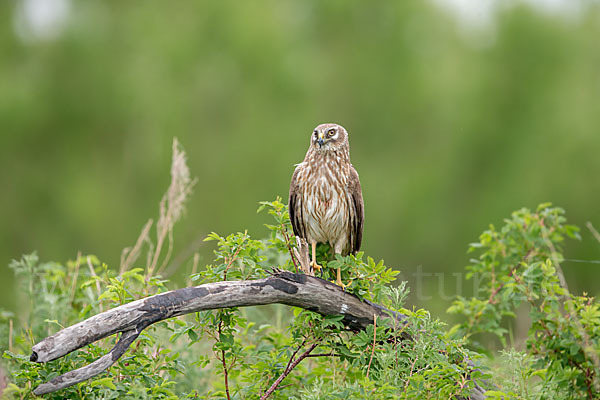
(299, 290)
(81, 374)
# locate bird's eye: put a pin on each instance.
(315, 133)
(331, 132)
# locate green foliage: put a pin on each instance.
(240, 259)
(63, 295)
(519, 265)
(240, 352)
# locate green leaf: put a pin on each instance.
(106, 382)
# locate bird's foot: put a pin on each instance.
(339, 282)
(315, 266)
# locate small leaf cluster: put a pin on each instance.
(520, 264)
(366, 279)
(238, 257)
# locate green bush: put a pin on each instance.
(291, 353)
(520, 265)
(239, 353)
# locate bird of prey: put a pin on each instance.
(326, 203)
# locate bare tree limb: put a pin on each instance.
(374, 343)
(81, 374)
(299, 290)
(291, 365)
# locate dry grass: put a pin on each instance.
(171, 209)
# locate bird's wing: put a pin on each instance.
(357, 218)
(295, 205)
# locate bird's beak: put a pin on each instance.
(321, 140)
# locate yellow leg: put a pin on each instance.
(313, 264)
(338, 281)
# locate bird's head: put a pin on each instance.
(329, 137)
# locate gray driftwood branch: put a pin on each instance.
(131, 319)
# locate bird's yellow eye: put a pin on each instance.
(331, 132)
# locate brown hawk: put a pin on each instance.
(326, 203)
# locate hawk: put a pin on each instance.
(326, 203)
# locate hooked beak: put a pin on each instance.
(321, 140)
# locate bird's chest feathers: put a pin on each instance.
(325, 198)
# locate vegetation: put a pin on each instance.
(234, 356)
(452, 126)
(282, 353)
(519, 265)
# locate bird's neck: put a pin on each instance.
(337, 155)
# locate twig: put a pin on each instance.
(230, 261)
(167, 258)
(301, 253)
(10, 333)
(190, 250)
(161, 234)
(323, 355)
(412, 368)
(98, 289)
(194, 268)
(225, 374)
(294, 354)
(593, 230)
(374, 342)
(224, 364)
(133, 253)
(75, 275)
(287, 371)
(287, 243)
(496, 290)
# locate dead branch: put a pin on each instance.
(299, 290)
(291, 365)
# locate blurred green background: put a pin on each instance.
(457, 116)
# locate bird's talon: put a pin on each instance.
(315, 266)
(338, 280)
